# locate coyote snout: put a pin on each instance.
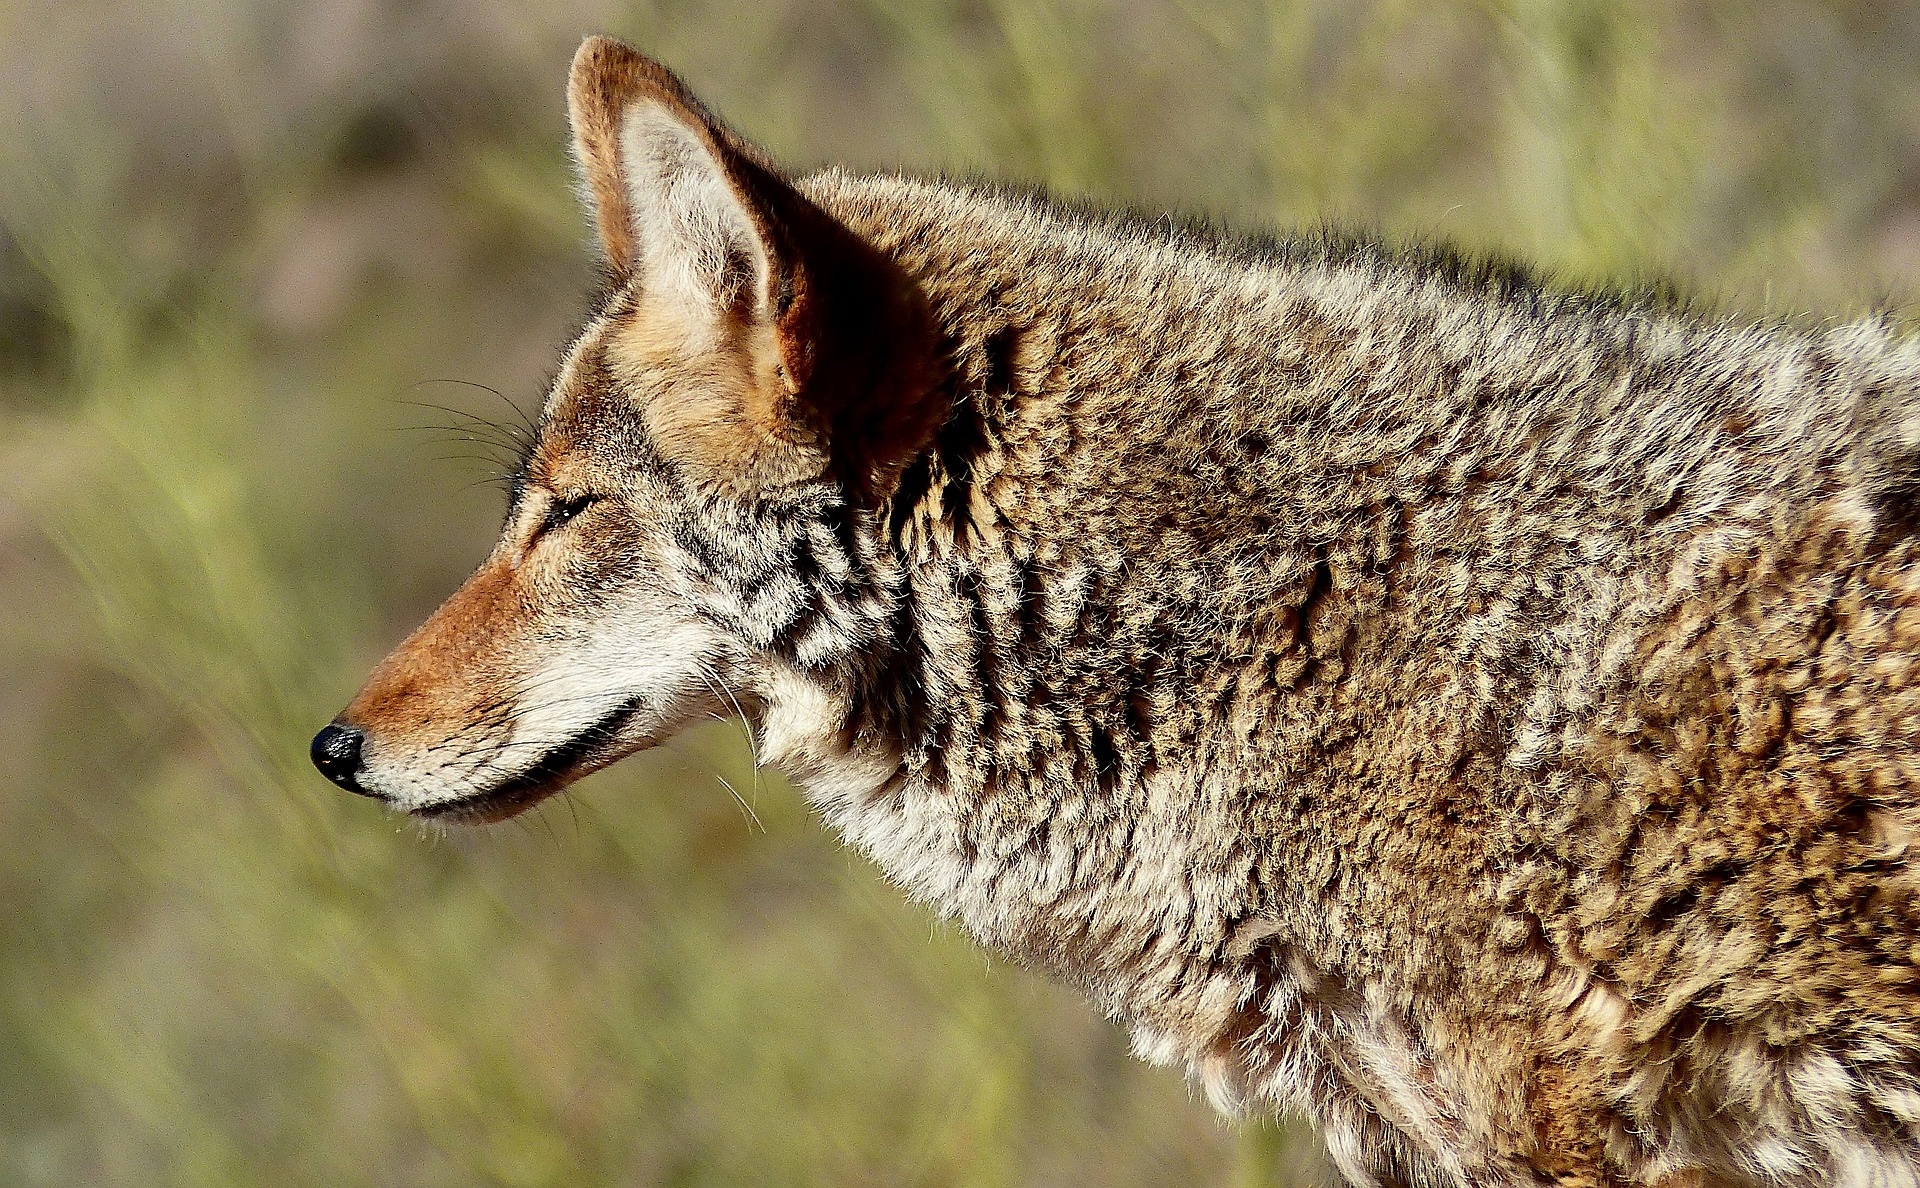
(575, 643)
(1484, 718)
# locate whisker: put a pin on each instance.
(713, 680)
(741, 801)
(703, 763)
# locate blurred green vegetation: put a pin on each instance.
(245, 248)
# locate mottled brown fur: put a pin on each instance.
(1482, 718)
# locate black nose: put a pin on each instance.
(336, 752)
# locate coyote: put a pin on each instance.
(1480, 717)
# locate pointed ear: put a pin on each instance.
(688, 210)
(681, 203)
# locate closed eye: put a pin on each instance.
(560, 511)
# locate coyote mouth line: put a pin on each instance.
(536, 783)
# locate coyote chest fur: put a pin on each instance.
(1484, 720)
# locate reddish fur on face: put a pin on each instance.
(829, 374)
(454, 672)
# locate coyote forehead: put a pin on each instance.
(1481, 717)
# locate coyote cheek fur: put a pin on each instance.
(1484, 719)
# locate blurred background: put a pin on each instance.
(262, 264)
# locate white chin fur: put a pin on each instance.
(666, 674)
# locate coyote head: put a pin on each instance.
(756, 376)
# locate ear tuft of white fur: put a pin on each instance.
(695, 238)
